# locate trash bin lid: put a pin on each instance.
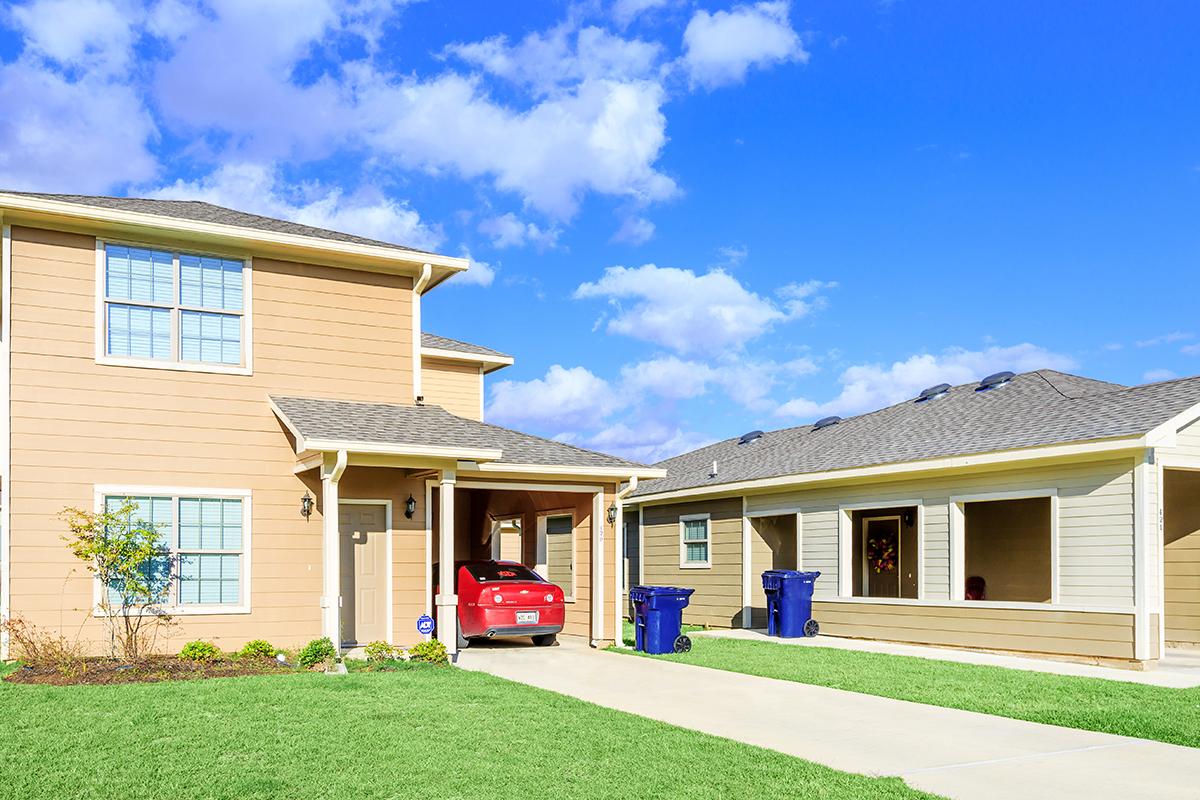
(791, 574)
(660, 591)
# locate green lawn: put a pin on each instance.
(1128, 709)
(418, 732)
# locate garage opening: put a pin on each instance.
(1006, 550)
(772, 546)
(885, 552)
(1181, 557)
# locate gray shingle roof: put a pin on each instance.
(199, 211)
(431, 426)
(1036, 408)
(443, 343)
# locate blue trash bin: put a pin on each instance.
(658, 619)
(789, 603)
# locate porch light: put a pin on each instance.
(612, 513)
(410, 507)
(306, 505)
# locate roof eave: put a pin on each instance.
(621, 472)
(488, 362)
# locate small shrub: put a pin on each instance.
(382, 651)
(431, 652)
(258, 648)
(200, 651)
(317, 652)
(42, 649)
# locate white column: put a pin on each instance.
(747, 616)
(331, 595)
(1141, 544)
(447, 600)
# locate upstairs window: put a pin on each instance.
(173, 309)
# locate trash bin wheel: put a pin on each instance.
(811, 628)
(682, 644)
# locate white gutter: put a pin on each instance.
(619, 560)
(418, 288)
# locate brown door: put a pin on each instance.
(364, 573)
(881, 556)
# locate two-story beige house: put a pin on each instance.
(1043, 512)
(265, 392)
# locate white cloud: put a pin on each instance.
(480, 273)
(626, 11)
(1154, 375)
(721, 47)
(1190, 350)
(259, 189)
(94, 35)
(507, 230)
(1166, 338)
(644, 441)
(686, 312)
(634, 230)
(571, 397)
(668, 377)
(867, 387)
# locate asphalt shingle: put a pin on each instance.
(1036, 408)
(444, 343)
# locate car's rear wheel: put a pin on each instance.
(463, 642)
(545, 639)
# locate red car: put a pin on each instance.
(504, 598)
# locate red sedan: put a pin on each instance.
(504, 598)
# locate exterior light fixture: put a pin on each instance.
(410, 507)
(612, 513)
(306, 505)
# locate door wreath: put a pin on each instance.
(881, 555)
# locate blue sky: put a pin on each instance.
(688, 219)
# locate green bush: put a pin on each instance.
(318, 651)
(258, 648)
(431, 652)
(200, 651)
(382, 651)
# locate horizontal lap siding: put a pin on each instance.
(1078, 633)
(454, 386)
(317, 331)
(1095, 524)
(718, 597)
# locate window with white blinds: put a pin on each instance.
(173, 308)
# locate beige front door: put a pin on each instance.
(364, 573)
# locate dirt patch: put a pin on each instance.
(100, 671)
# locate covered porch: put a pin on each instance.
(403, 492)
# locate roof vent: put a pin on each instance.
(825, 422)
(934, 392)
(752, 436)
(994, 381)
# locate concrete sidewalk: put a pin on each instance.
(954, 753)
(1178, 669)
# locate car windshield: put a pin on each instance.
(492, 572)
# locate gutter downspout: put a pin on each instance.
(619, 560)
(419, 285)
(331, 600)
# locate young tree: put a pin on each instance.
(127, 553)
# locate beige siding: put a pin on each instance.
(1095, 524)
(317, 331)
(453, 385)
(718, 597)
(1181, 531)
(1108, 636)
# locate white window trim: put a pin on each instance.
(846, 534)
(958, 555)
(175, 492)
(174, 363)
(683, 562)
(544, 547)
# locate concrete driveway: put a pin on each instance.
(954, 753)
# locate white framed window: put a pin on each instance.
(695, 541)
(557, 530)
(205, 536)
(172, 309)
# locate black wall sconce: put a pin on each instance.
(306, 505)
(410, 507)
(908, 519)
(612, 513)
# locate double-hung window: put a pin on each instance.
(205, 547)
(166, 308)
(695, 541)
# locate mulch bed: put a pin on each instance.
(102, 671)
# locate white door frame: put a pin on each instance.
(389, 620)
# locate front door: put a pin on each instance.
(364, 573)
(881, 557)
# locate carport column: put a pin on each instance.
(447, 600)
(331, 595)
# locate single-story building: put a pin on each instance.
(1043, 512)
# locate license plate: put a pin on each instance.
(527, 617)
